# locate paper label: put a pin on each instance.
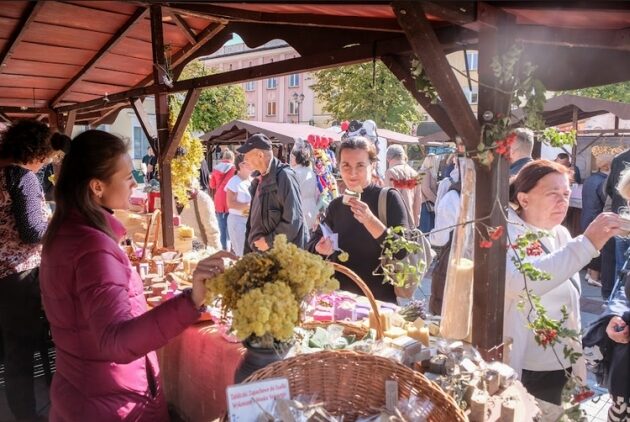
(334, 237)
(391, 395)
(246, 402)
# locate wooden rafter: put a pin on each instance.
(109, 45)
(297, 19)
(25, 110)
(428, 49)
(106, 115)
(400, 67)
(31, 11)
(456, 12)
(5, 118)
(607, 39)
(182, 121)
(183, 26)
(143, 118)
(342, 56)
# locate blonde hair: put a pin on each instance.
(603, 161)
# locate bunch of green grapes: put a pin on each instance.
(305, 272)
(251, 271)
(271, 309)
(185, 167)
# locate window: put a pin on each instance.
(294, 80)
(271, 108)
(473, 60)
(250, 86)
(472, 96)
(251, 109)
(140, 143)
(272, 83)
(293, 107)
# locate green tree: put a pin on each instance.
(216, 106)
(613, 92)
(363, 92)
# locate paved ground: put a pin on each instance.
(595, 409)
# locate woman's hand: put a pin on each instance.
(616, 323)
(208, 268)
(364, 215)
(324, 246)
(605, 226)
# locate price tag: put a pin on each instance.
(246, 402)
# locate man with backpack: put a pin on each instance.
(276, 207)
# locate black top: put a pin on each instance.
(354, 238)
(204, 175)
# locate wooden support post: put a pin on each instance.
(429, 50)
(181, 123)
(143, 119)
(72, 116)
(161, 118)
(490, 200)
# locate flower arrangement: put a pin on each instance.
(185, 166)
(264, 291)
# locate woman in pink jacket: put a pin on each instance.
(105, 338)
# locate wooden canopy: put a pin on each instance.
(82, 61)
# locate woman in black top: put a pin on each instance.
(360, 231)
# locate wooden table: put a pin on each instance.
(196, 368)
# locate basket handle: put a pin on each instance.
(366, 291)
(152, 220)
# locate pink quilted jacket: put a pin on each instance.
(105, 339)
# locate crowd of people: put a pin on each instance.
(71, 265)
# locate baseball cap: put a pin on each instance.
(256, 141)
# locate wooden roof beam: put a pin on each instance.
(6, 119)
(183, 26)
(458, 13)
(182, 121)
(326, 59)
(299, 19)
(427, 47)
(25, 110)
(607, 39)
(109, 45)
(31, 11)
(69, 122)
(401, 68)
(106, 115)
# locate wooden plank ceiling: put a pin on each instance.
(61, 54)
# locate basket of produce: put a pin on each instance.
(350, 328)
(352, 384)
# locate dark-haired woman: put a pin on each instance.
(540, 194)
(25, 147)
(309, 193)
(104, 336)
(361, 232)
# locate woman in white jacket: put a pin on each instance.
(540, 194)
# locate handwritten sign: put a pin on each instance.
(248, 401)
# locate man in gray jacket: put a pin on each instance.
(276, 207)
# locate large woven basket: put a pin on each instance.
(352, 384)
(352, 328)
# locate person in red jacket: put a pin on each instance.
(220, 176)
(104, 336)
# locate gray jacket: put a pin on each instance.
(276, 208)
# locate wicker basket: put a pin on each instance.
(351, 328)
(353, 384)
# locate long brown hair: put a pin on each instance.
(359, 142)
(529, 176)
(93, 155)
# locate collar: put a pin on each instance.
(271, 170)
(269, 167)
(117, 227)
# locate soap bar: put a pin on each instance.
(395, 332)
